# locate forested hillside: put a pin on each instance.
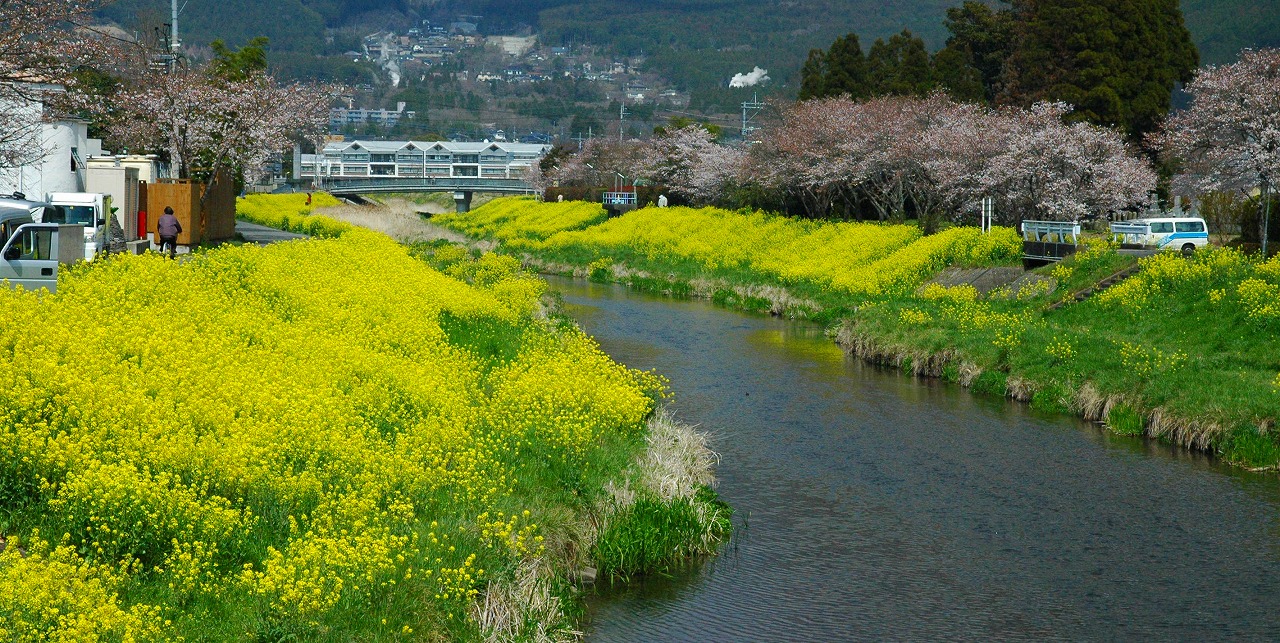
(698, 44)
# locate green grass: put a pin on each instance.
(653, 536)
(1188, 351)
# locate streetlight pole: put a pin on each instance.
(1266, 216)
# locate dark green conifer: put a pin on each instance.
(900, 67)
(1116, 61)
(846, 68)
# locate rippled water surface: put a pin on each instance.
(874, 506)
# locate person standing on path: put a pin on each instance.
(168, 228)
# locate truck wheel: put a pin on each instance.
(1188, 249)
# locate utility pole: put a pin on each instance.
(1266, 216)
(622, 119)
(174, 43)
(749, 110)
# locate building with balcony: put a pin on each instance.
(418, 159)
(342, 116)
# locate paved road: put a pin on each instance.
(262, 235)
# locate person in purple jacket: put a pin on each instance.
(168, 228)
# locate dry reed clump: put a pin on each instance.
(1181, 431)
(676, 463)
(524, 607)
(396, 218)
(969, 373)
(678, 460)
(1093, 405)
(1020, 388)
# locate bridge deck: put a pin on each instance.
(371, 185)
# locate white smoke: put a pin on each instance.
(752, 79)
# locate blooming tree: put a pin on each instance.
(692, 164)
(815, 153)
(1047, 169)
(208, 124)
(1230, 137)
(40, 47)
(599, 163)
(935, 159)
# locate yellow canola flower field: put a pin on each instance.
(291, 212)
(1222, 278)
(865, 259)
(286, 436)
(522, 222)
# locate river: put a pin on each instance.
(871, 505)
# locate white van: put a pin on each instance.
(86, 209)
(1167, 233)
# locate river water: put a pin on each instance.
(873, 506)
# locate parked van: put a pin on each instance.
(86, 209)
(16, 210)
(35, 252)
(1167, 233)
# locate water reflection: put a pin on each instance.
(884, 507)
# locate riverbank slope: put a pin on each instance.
(326, 440)
(1184, 350)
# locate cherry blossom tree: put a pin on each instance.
(1048, 169)
(936, 159)
(815, 153)
(1229, 139)
(207, 124)
(692, 164)
(599, 163)
(42, 42)
(950, 144)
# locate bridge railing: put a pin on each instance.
(619, 198)
(1045, 230)
(426, 184)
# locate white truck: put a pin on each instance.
(33, 253)
(87, 209)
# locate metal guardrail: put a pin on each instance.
(1131, 234)
(1057, 231)
(619, 198)
(1048, 241)
(426, 184)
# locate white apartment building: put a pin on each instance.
(419, 159)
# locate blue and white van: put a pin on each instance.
(1166, 233)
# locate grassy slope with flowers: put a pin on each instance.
(1185, 350)
(318, 440)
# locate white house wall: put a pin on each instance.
(53, 172)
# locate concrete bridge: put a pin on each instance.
(461, 187)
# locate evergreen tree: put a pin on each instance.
(846, 68)
(954, 72)
(900, 67)
(813, 75)
(981, 38)
(238, 65)
(1116, 61)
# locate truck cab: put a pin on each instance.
(86, 209)
(34, 253)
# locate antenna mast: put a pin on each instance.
(749, 110)
(622, 117)
(174, 43)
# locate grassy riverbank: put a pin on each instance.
(323, 440)
(1185, 350)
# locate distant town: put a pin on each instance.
(492, 68)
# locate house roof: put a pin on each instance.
(388, 147)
